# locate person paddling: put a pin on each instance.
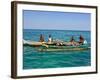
(41, 38)
(72, 41)
(49, 39)
(81, 39)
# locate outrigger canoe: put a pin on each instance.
(34, 43)
(31, 43)
(45, 46)
(63, 48)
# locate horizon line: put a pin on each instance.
(58, 29)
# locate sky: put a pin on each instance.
(56, 20)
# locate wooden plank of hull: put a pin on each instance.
(71, 49)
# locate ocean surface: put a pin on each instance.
(33, 59)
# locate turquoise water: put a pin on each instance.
(32, 59)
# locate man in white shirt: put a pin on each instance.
(49, 39)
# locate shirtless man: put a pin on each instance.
(81, 40)
(41, 38)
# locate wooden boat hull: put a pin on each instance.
(32, 43)
(45, 46)
(35, 44)
(75, 49)
(63, 48)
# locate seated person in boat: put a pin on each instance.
(41, 38)
(81, 40)
(73, 42)
(49, 39)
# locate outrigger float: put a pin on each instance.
(46, 46)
